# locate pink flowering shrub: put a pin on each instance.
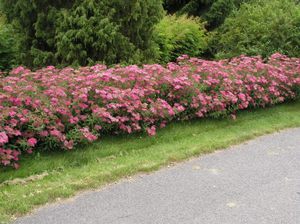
(53, 108)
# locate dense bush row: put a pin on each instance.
(53, 108)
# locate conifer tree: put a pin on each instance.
(83, 31)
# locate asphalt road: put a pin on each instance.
(254, 183)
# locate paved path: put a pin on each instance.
(254, 183)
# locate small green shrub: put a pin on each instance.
(7, 45)
(177, 35)
(261, 27)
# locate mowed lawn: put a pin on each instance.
(46, 177)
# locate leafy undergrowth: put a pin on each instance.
(48, 176)
(52, 109)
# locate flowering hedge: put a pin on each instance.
(52, 108)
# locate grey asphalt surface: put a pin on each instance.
(254, 183)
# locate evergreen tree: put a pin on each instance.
(83, 31)
(35, 21)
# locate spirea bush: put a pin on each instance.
(59, 108)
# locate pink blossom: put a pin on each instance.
(43, 133)
(98, 127)
(88, 135)
(8, 89)
(3, 138)
(16, 165)
(56, 133)
(242, 97)
(69, 144)
(74, 120)
(233, 116)
(32, 142)
(151, 131)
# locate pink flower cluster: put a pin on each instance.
(59, 108)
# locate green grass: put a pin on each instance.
(112, 158)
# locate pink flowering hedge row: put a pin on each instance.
(59, 108)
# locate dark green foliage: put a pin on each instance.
(213, 11)
(109, 32)
(178, 35)
(261, 27)
(80, 32)
(173, 6)
(87, 34)
(35, 21)
(7, 45)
